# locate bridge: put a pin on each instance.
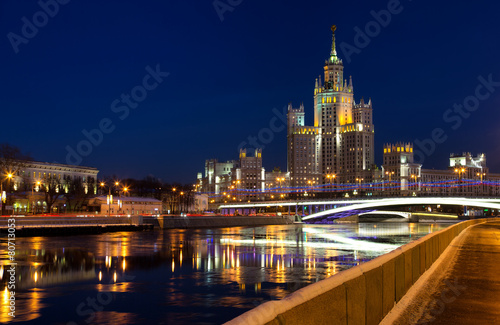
(319, 209)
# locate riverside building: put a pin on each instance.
(341, 142)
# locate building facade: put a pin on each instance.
(341, 142)
(24, 190)
(466, 175)
(400, 173)
(277, 185)
(31, 172)
(217, 177)
(250, 179)
(304, 149)
(126, 205)
(234, 180)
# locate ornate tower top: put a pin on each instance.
(333, 53)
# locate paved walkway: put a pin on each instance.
(464, 290)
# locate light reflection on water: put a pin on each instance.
(184, 276)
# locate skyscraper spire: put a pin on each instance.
(334, 52)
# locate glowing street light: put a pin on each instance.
(330, 178)
(37, 183)
(390, 174)
(482, 186)
(460, 172)
(110, 196)
(2, 194)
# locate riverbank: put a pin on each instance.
(449, 291)
(90, 224)
(364, 294)
(175, 222)
(70, 225)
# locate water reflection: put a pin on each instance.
(186, 276)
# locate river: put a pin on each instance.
(203, 276)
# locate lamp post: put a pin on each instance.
(9, 177)
(281, 179)
(181, 196)
(310, 183)
(413, 179)
(37, 183)
(482, 185)
(359, 180)
(389, 174)
(110, 197)
(459, 171)
(3, 198)
(330, 178)
(174, 205)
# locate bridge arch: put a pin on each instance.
(483, 203)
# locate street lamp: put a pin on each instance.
(109, 197)
(280, 179)
(459, 171)
(181, 201)
(482, 185)
(9, 176)
(330, 178)
(3, 198)
(37, 183)
(359, 184)
(389, 174)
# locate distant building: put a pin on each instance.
(200, 203)
(240, 180)
(399, 171)
(249, 180)
(277, 184)
(465, 176)
(341, 142)
(469, 176)
(29, 177)
(304, 149)
(217, 176)
(126, 205)
(31, 172)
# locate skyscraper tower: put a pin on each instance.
(303, 149)
(345, 142)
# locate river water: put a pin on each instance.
(203, 276)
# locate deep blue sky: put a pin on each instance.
(227, 76)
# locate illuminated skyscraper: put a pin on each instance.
(341, 140)
(303, 149)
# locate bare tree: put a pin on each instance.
(12, 159)
(53, 189)
(75, 194)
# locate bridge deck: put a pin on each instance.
(468, 291)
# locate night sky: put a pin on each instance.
(218, 81)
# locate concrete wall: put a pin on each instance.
(167, 222)
(75, 220)
(363, 294)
